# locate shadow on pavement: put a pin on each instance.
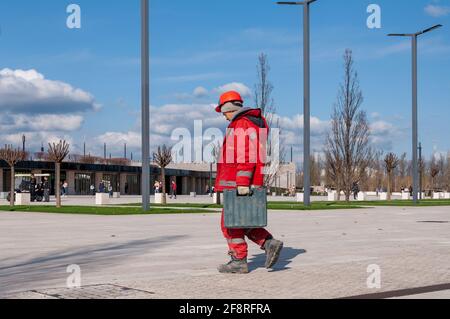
(23, 272)
(287, 255)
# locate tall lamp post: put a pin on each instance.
(145, 91)
(23, 143)
(415, 134)
(306, 99)
(420, 171)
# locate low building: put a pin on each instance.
(126, 178)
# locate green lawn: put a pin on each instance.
(179, 208)
(271, 205)
(92, 210)
(318, 205)
(407, 203)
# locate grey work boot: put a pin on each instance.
(273, 249)
(235, 266)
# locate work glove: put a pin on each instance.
(243, 190)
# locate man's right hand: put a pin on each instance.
(243, 190)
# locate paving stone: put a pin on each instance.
(175, 256)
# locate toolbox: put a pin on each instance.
(245, 211)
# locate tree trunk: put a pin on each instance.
(163, 180)
(57, 184)
(12, 190)
(389, 186)
(217, 198)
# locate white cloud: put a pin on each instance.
(200, 92)
(29, 92)
(35, 140)
(117, 139)
(235, 86)
(40, 122)
(165, 119)
(437, 11)
(295, 124)
(385, 134)
(43, 110)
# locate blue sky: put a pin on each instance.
(206, 46)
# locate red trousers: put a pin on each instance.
(236, 239)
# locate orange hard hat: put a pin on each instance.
(230, 96)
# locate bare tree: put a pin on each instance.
(334, 168)
(264, 89)
(316, 170)
(391, 162)
(447, 174)
(163, 157)
(441, 176)
(421, 173)
(402, 178)
(347, 144)
(377, 168)
(12, 156)
(435, 169)
(264, 101)
(57, 153)
(216, 154)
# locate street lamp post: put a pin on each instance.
(145, 91)
(306, 99)
(415, 130)
(210, 179)
(420, 172)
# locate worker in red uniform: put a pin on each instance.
(241, 166)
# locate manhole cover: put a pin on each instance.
(96, 292)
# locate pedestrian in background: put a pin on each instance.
(65, 188)
(101, 187)
(156, 187)
(355, 189)
(46, 187)
(173, 190)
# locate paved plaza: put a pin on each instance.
(326, 255)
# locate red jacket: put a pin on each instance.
(243, 152)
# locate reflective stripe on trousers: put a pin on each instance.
(236, 241)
